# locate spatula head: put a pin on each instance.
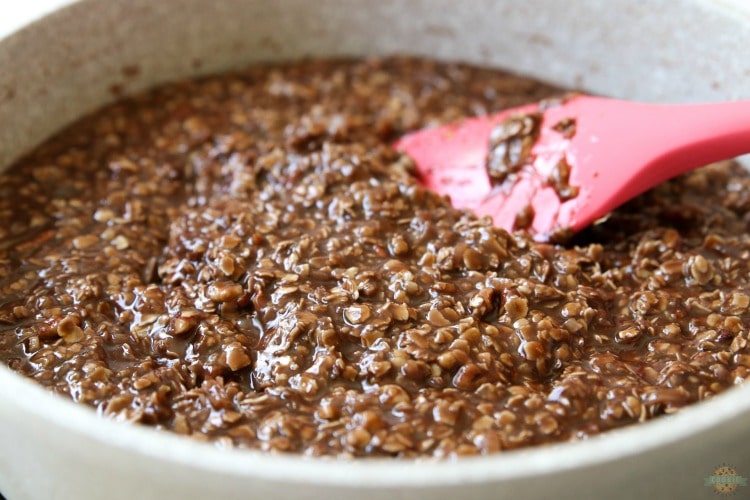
(513, 166)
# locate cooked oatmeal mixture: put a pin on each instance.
(244, 259)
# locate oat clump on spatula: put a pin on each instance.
(245, 259)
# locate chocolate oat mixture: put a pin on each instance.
(245, 259)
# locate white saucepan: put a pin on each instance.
(69, 62)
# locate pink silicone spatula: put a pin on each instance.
(615, 150)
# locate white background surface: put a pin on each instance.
(14, 13)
